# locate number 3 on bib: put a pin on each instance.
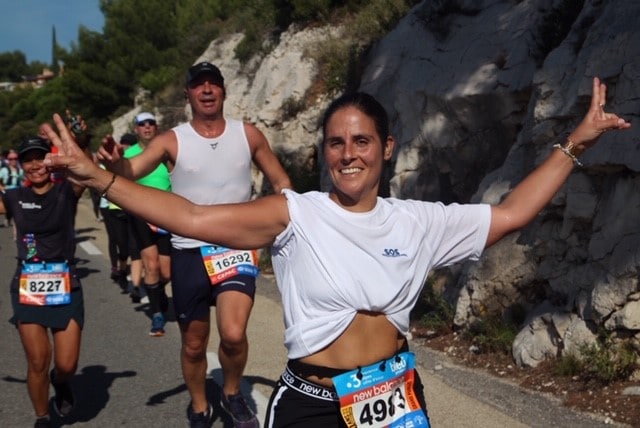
(381, 395)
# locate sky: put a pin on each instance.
(26, 25)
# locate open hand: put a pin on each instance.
(596, 122)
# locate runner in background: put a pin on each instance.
(45, 293)
(210, 159)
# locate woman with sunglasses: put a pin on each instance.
(11, 177)
(45, 293)
(11, 174)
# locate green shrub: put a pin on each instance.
(291, 107)
(608, 361)
(492, 334)
(434, 311)
(305, 10)
(333, 58)
(159, 78)
(568, 365)
(603, 361)
(377, 18)
(249, 46)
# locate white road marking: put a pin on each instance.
(89, 248)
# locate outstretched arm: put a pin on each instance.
(246, 225)
(529, 197)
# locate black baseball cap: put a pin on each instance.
(33, 143)
(205, 68)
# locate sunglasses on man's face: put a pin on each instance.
(147, 122)
(12, 158)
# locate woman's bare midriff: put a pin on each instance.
(369, 338)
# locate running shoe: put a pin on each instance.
(63, 400)
(242, 415)
(115, 274)
(124, 285)
(42, 422)
(157, 325)
(135, 294)
(200, 420)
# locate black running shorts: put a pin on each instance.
(191, 287)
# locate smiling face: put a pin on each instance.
(354, 154)
(34, 169)
(206, 96)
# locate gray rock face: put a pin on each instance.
(489, 91)
(478, 92)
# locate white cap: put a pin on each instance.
(145, 115)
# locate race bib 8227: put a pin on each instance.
(45, 284)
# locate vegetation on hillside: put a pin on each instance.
(103, 72)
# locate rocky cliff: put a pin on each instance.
(478, 91)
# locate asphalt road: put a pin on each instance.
(127, 378)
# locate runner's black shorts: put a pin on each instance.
(191, 287)
(298, 403)
(145, 237)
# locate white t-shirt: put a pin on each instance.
(330, 263)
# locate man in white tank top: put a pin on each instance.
(209, 159)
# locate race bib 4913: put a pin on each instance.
(381, 395)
